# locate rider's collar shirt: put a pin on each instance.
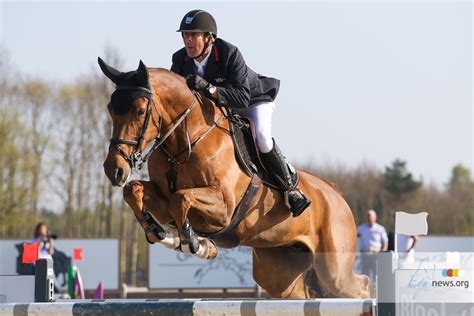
(200, 66)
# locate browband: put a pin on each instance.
(133, 88)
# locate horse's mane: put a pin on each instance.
(168, 79)
(156, 71)
(177, 83)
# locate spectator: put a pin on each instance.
(45, 240)
(373, 238)
(406, 247)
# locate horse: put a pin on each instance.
(195, 185)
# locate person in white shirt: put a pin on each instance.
(406, 247)
(373, 239)
(46, 243)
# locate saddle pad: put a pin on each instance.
(247, 154)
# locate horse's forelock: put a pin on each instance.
(122, 100)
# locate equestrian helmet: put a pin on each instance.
(198, 21)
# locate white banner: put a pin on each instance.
(411, 224)
(170, 269)
(434, 278)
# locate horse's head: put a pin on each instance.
(131, 111)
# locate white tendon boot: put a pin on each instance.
(171, 239)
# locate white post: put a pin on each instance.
(395, 243)
(395, 250)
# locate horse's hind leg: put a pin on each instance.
(333, 266)
(281, 271)
(336, 278)
(141, 196)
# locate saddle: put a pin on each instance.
(247, 153)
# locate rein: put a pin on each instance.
(137, 159)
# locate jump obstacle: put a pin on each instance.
(17, 295)
(29, 288)
(384, 305)
(188, 307)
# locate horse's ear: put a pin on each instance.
(142, 74)
(111, 73)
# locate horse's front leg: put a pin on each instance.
(205, 206)
(143, 199)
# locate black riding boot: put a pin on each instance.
(276, 163)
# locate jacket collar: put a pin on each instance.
(211, 66)
(188, 66)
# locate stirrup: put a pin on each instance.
(297, 208)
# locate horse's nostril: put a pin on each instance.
(118, 174)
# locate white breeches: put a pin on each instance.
(261, 115)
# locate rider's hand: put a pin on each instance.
(198, 83)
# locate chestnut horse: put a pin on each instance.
(308, 256)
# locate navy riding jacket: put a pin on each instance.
(238, 86)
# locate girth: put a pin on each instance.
(227, 237)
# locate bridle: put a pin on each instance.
(137, 159)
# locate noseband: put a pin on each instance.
(137, 159)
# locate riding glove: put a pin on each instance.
(198, 83)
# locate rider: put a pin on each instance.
(217, 69)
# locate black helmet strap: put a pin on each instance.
(203, 51)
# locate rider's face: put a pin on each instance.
(194, 42)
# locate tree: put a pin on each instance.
(14, 166)
(461, 197)
(398, 181)
(460, 177)
(36, 96)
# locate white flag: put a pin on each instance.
(411, 224)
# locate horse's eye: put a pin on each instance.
(141, 112)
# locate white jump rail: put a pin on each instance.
(184, 307)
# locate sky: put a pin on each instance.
(360, 81)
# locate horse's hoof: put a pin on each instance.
(207, 249)
(212, 250)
